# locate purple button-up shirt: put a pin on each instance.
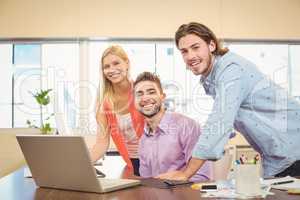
(170, 147)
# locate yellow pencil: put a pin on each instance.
(197, 186)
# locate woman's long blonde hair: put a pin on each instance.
(105, 88)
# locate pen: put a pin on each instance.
(241, 160)
(197, 186)
(282, 182)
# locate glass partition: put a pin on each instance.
(72, 70)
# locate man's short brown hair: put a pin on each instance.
(148, 76)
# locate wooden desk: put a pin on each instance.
(16, 187)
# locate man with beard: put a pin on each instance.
(245, 100)
(169, 137)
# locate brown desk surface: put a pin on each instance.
(16, 187)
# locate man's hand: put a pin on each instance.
(193, 166)
(173, 175)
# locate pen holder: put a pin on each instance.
(247, 179)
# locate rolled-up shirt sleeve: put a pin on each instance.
(188, 140)
(219, 126)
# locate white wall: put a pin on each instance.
(238, 19)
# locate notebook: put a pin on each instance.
(284, 183)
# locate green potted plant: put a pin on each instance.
(43, 99)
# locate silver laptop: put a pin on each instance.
(63, 162)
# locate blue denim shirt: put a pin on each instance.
(246, 100)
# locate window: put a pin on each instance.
(271, 59)
(295, 70)
(6, 85)
(26, 80)
(72, 70)
(60, 64)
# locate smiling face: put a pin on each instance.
(196, 53)
(115, 69)
(148, 98)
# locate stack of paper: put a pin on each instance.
(230, 193)
(284, 183)
(226, 189)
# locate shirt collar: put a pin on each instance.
(211, 76)
(162, 126)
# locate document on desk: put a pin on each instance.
(284, 183)
(226, 190)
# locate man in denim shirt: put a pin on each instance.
(245, 100)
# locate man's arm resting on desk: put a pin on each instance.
(193, 166)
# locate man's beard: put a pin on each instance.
(155, 111)
(208, 66)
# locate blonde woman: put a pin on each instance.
(115, 111)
